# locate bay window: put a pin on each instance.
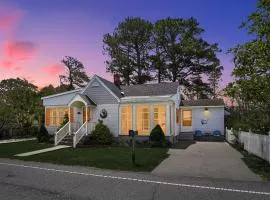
(160, 116)
(143, 119)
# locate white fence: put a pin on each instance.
(256, 144)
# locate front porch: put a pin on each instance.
(80, 124)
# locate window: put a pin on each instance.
(187, 117)
(126, 119)
(160, 116)
(57, 115)
(143, 119)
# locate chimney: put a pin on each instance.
(116, 80)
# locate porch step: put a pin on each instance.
(187, 136)
(68, 140)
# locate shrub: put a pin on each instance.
(102, 134)
(43, 135)
(157, 134)
(157, 138)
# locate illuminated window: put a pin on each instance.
(160, 116)
(143, 119)
(187, 117)
(57, 116)
(126, 119)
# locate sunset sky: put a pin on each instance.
(36, 34)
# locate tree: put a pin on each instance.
(184, 51)
(20, 98)
(214, 79)
(252, 71)
(47, 90)
(128, 50)
(75, 76)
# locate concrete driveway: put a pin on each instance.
(206, 159)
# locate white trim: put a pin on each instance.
(62, 93)
(80, 98)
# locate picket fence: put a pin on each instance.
(256, 144)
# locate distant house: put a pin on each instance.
(134, 107)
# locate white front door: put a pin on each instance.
(186, 121)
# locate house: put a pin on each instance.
(136, 107)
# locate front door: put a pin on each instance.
(186, 120)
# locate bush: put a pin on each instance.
(157, 134)
(43, 135)
(157, 138)
(102, 134)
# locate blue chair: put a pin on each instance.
(216, 133)
(198, 133)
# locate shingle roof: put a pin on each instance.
(203, 102)
(158, 89)
(87, 99)
(111, 86)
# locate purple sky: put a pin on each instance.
(35, 35)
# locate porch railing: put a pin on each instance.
(59, 135)
(79, 134)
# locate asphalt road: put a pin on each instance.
(21, 180)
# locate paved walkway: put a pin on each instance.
(42, 150)
(206, 159)
(16, 140)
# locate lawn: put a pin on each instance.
(118, 158)
(256, 164)
(10, 149)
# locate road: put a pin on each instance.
(20, 180)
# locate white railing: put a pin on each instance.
(59, 135)
(82, 131)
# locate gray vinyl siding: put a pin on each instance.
(99, 94)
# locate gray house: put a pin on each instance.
(136, 107)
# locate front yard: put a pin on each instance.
(118, 158)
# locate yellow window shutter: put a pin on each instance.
(88, 114)
(84, 115)
(47, 116)
(71, 113)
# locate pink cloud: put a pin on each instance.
(9, 17)
(54, 70)
(19, 50)
(6, 64)
(18, 68)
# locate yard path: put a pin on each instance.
(206, 159)
(16, 140)
(43, 150)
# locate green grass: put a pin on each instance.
(118, 158)
(10, 149)
(256, 164)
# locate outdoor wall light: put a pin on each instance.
(78, 113)
(206, 109)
